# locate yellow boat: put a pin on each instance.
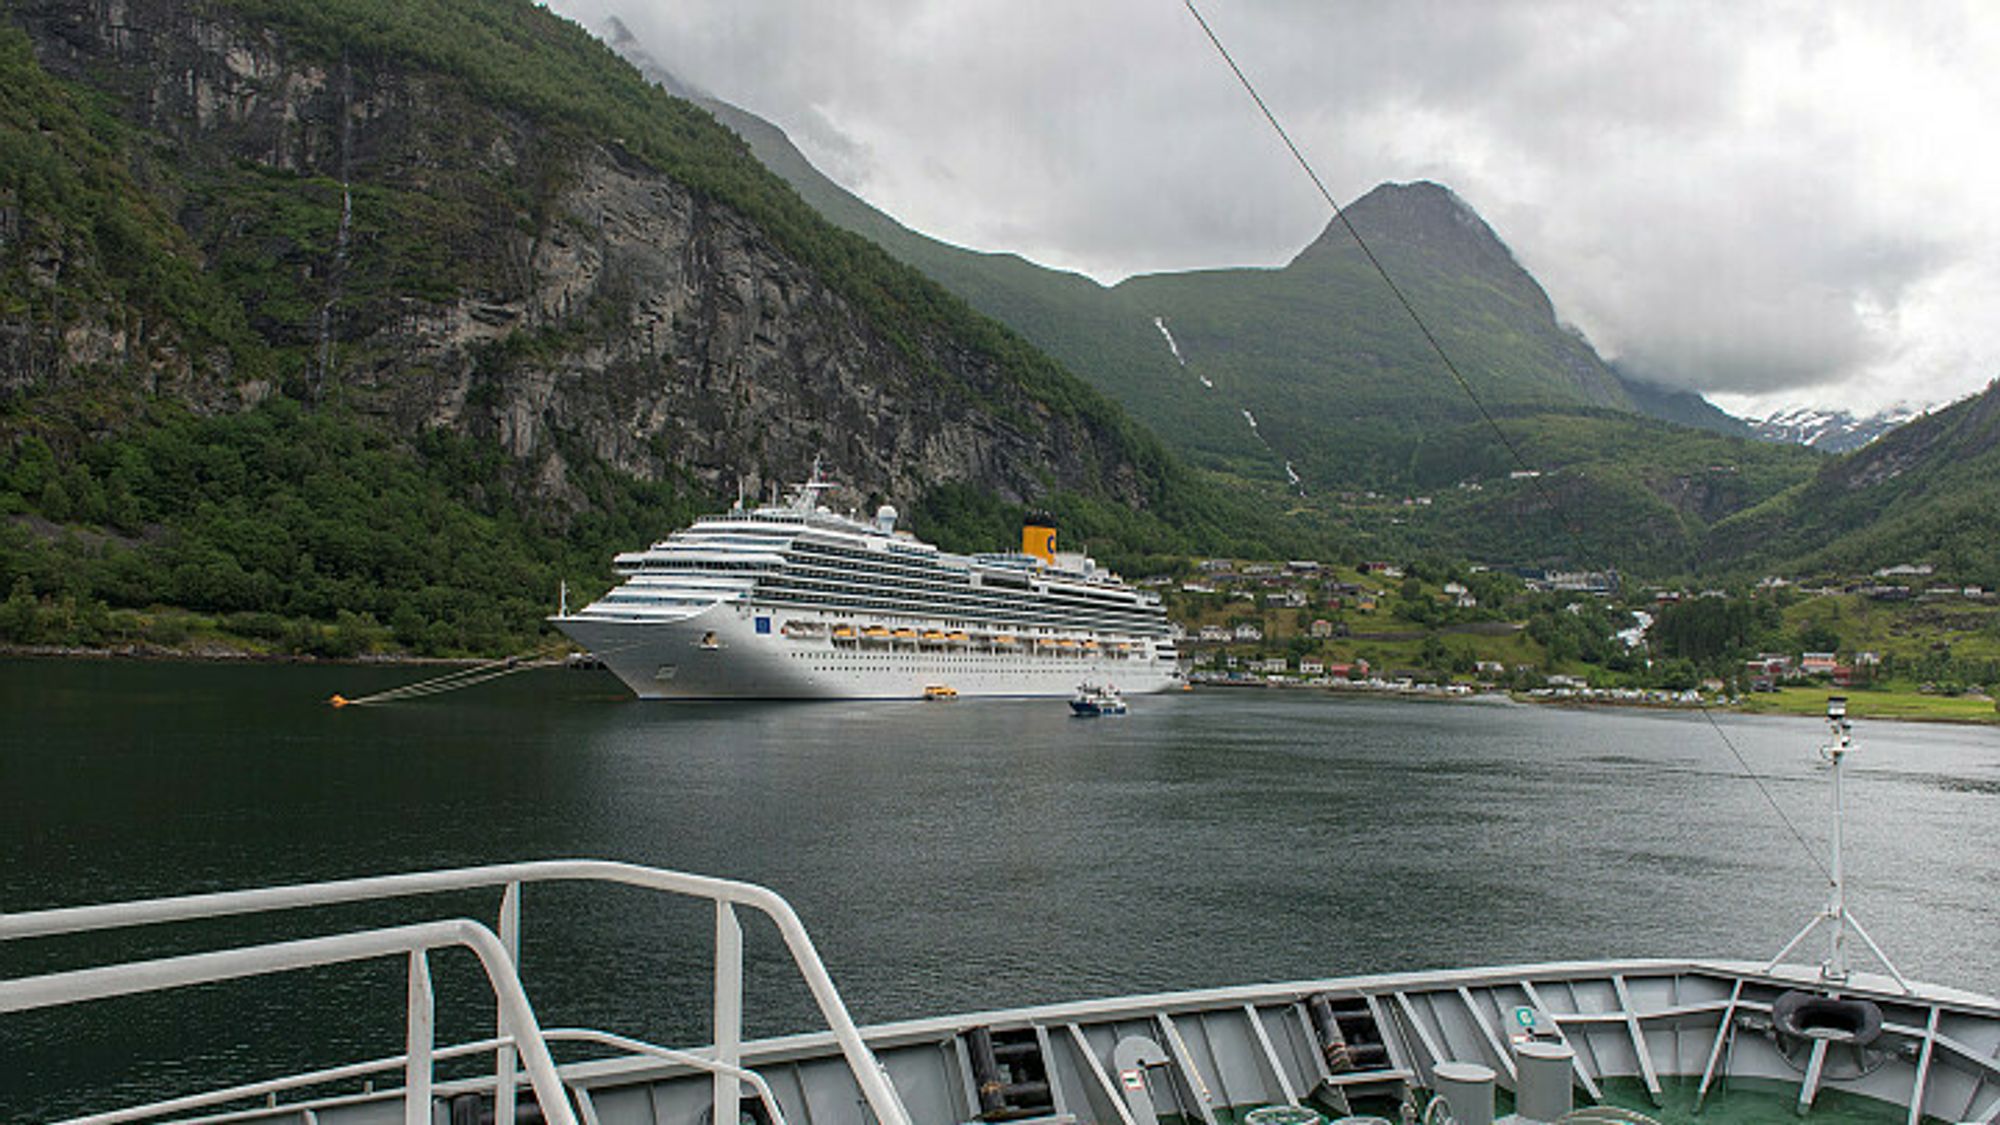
(940, 691)
(843, 632)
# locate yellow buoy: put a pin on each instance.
(339, 700)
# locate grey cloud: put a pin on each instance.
(1714, 232)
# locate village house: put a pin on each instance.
(1777, 664)
(1322, 628)
(1249, 632)
(1269, 665)
(1584, 581)
(1215, 633)
(1311, 666)
(1817, 663)
(1766, 670)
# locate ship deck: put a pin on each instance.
(1664, 1037)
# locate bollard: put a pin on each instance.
(1544, 1094)
(1468, 1089)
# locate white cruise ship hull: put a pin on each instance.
(719, 653)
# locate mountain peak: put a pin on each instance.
(1422, 216)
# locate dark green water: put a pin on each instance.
(945, 856)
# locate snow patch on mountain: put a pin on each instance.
(1834, 431)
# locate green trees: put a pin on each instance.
(1708, 631)
(282, 515)
(1818, 636)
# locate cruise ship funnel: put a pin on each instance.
(1038, 537)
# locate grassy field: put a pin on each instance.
(1876, 703)
(1971, 629)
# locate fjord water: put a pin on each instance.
(945, 856)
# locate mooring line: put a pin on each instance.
(452, 681)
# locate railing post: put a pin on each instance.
(503, 1060)
(421, 1035)
(728, 1011)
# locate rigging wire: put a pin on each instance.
(1444, 357)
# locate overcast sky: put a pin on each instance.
(1771, 203)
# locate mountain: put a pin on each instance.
(405, 309)
(1341, 388)
(1319, 346)
(1336, 376)
(1834, 431)
(1927, 491)
(1684, 408)
(1591, 498)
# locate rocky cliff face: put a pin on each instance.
(409, 246)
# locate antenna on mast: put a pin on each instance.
(1834, 971)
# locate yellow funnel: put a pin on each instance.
(1038, 537)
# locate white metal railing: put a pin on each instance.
(81, 985)
(517, 1031)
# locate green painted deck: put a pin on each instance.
(1740, 1102)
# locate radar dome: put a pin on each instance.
(885, 518)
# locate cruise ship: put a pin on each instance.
(791, 600)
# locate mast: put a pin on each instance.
(1834, 972)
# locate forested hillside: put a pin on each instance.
(1927, 492)
(409, 311)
